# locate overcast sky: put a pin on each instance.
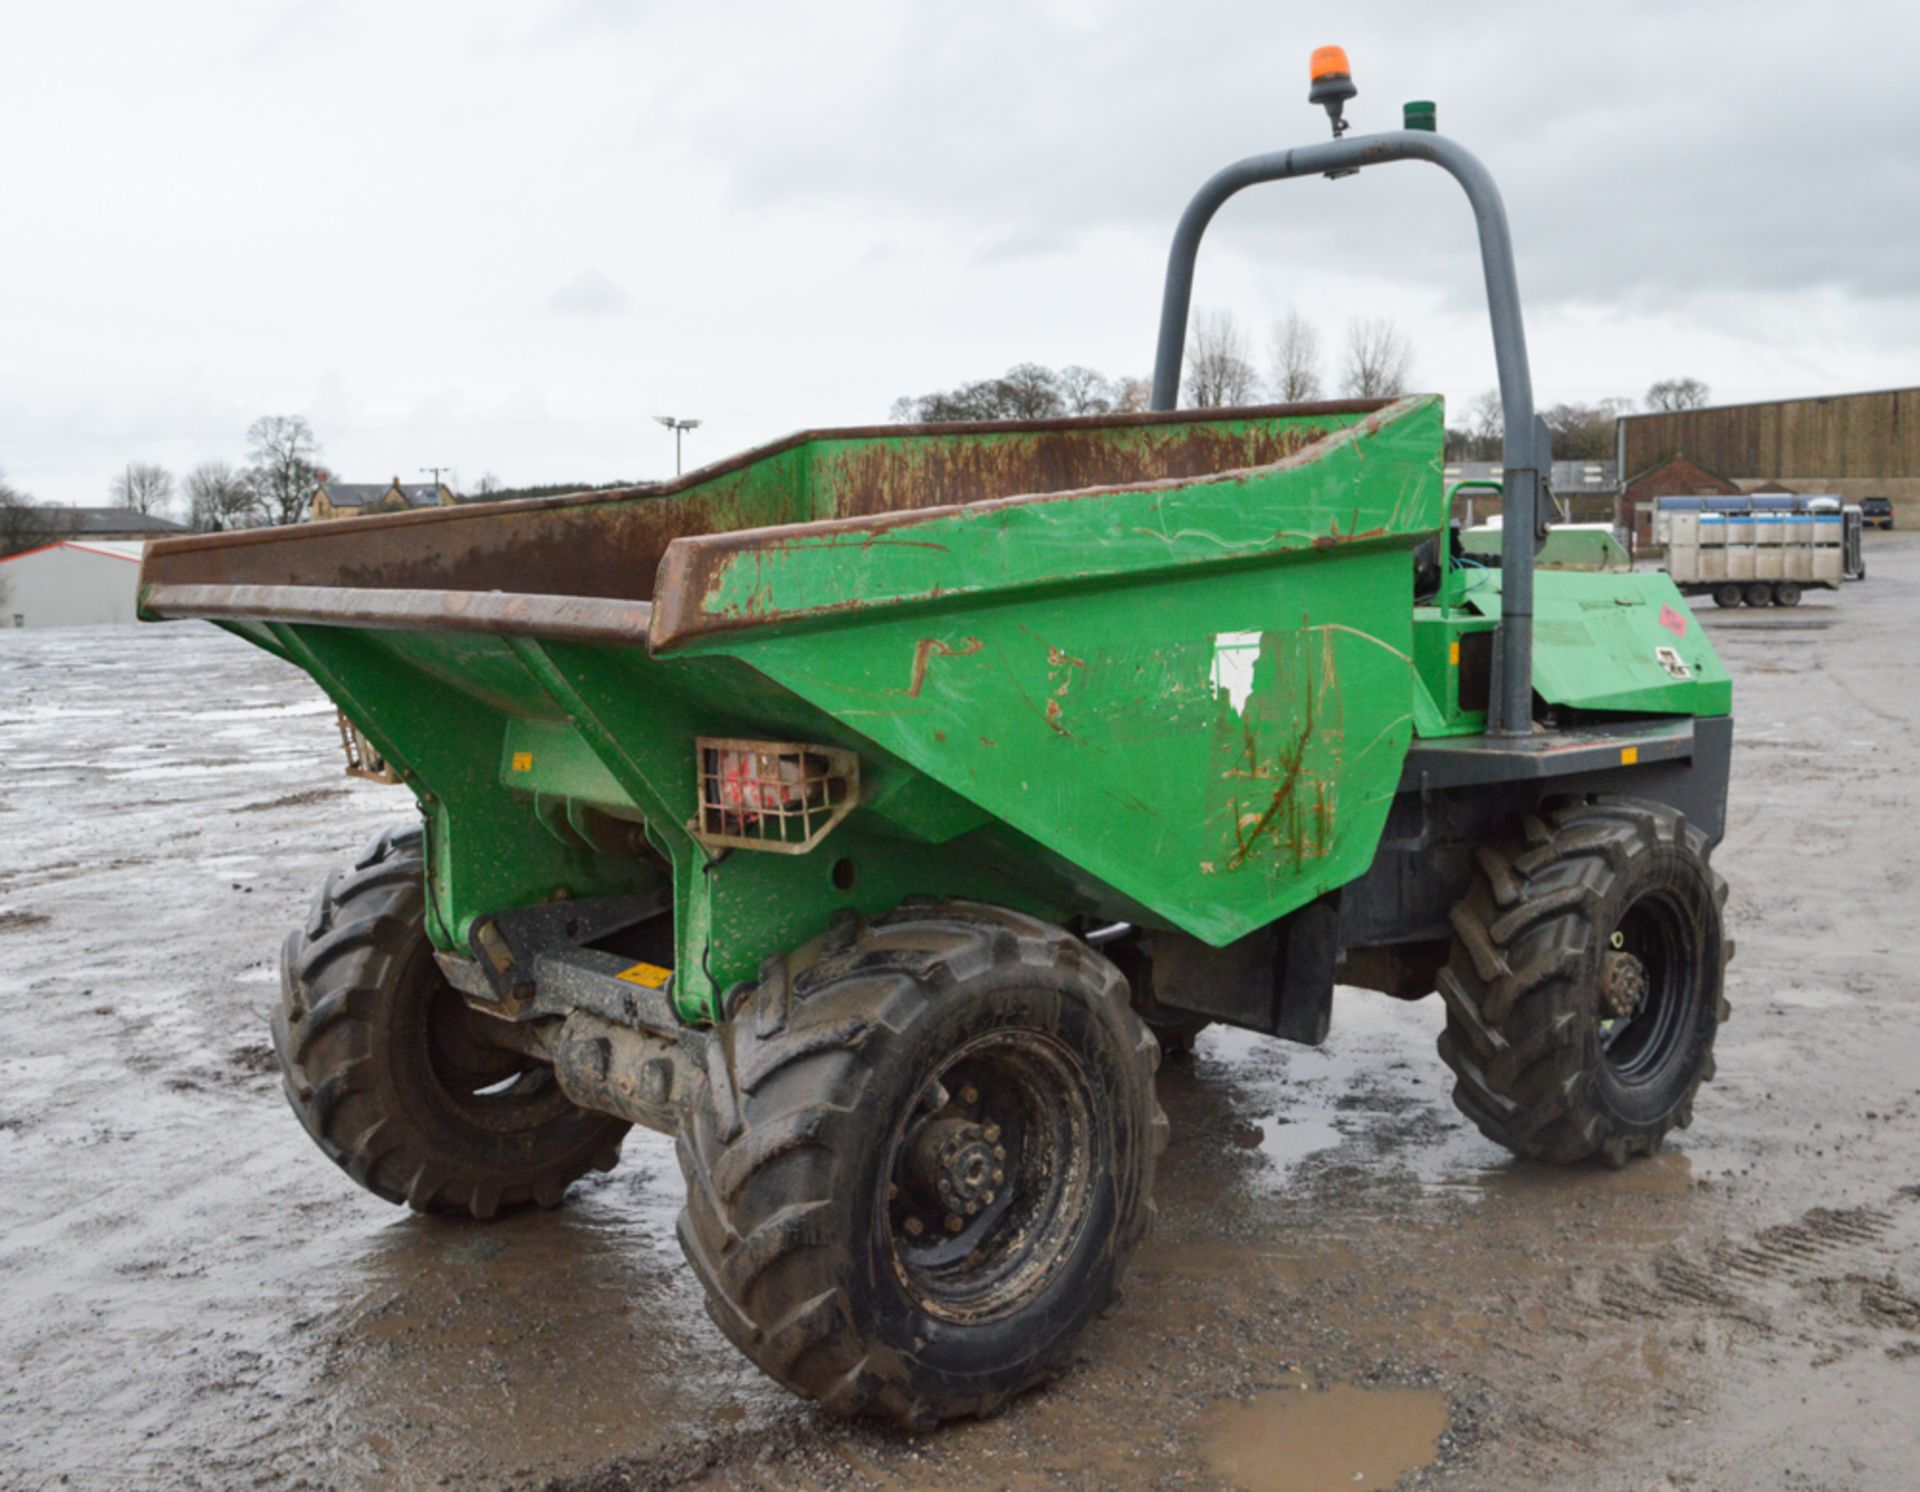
(501, 236)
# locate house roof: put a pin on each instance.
(121, 549)
(1568, 477)
(79, 522)
(363, 494)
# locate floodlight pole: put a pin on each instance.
(679, 427)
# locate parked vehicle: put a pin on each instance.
(1762, 558)
(1877, 512)
(856, 810)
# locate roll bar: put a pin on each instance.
(1527, 449)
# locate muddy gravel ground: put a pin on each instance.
(1349, 1288)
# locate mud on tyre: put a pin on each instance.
(396, 1079)
(1584, 987)
(921, 1155)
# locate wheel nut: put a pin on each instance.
(986, 1200)
(969, 1095)
(993, 1134)
(974, 1205)
(955, 1222)
(915, 1227)
(998, 1177)
(999, 1152)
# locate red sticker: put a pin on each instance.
(1673, 621)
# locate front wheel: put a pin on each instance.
(399, 1082)
(1584, 988)
(921, 1155)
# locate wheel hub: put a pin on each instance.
(1623, 984)
(958, 1163)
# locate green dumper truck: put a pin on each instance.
(871, 810)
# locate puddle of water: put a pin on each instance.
(1289, 1139)
(1344, 1440)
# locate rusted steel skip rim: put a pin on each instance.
(574, 618)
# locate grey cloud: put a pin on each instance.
(589, 293)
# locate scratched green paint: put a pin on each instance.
(1187, 705)
(1382, 482)
(1599, 640)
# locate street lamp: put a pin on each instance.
(678, 427)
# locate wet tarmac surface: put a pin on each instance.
(1348, 1287)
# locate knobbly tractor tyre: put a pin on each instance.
(1584, 986)
(920, 1157)
(400, 1083)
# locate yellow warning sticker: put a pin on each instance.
(1629, 755)
(523, 761)
(1453, 654)
(652, 976)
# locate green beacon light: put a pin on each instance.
(1418, 114)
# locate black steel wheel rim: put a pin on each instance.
(1660, 939)
(488, 1085)
(989, 1177)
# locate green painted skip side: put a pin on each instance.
(1200, 693)
(1578, 546)
(1626, 643)
(1343, 478)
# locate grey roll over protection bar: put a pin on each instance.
(1526, 448)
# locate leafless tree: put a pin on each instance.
(1083, 391)
(1671, 394)
(1219, 365)
(218, 497)
(1294, 351)
(1378, 357)
(284, 470)
(487, 486)
(1487, 418)
(1026, 391)
(144, 486)
(1132, 395)
(23, 525)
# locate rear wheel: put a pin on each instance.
(403, 1085)
(1584, 989)
(1728, 595)
(1786, 594)
(921, 1155)
(1759, 594)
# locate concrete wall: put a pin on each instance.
(66, 586)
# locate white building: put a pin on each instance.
(74, 583)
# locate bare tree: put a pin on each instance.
(1132, 395)
(1026, 391)
(144, 486)
(284, 470)
(487, 485)
(1294, 351)
(218, 497)
(1219, 365)
(23, 525)
(1671, 394)
(1083, 391)
(1378, 358)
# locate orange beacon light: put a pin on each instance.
(1331, 84)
